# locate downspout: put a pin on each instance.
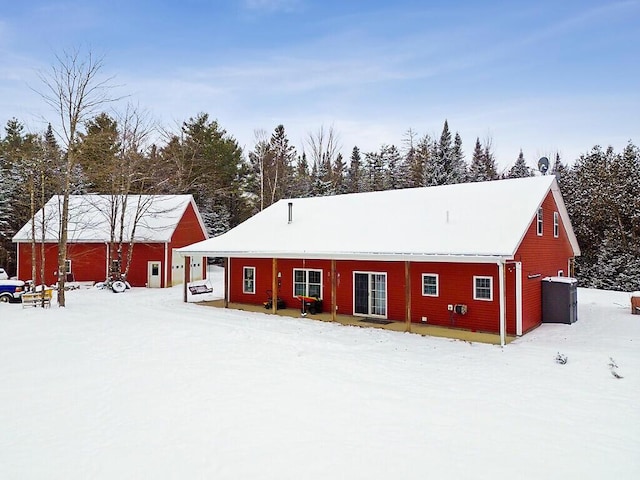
(501, 295)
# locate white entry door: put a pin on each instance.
(153, 274)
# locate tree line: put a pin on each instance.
(124, 153)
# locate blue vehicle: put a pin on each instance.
(11, 290)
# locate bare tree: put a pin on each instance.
(74, 89)
(259, 158)
(324, 145)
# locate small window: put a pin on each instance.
(248, 280)
(307, 283)
(429, 284)
(67, 266)
(556, 225)
(483, 288)
(561, 273)
(539, 221)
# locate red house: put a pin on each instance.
(156, 225)
(470, 255)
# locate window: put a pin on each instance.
(429, 284)
(248, 280)
(307, 282)
(483, 288)
(539, 221)
(556, 225)
(561, 273)
(67, 266)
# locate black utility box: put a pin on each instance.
(559, 300)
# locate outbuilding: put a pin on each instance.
(153, 226)
(468, 256)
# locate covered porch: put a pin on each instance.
(396, 326)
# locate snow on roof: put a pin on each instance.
(560, 279)
(89, 218)
(485, 219)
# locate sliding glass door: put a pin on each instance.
(370, 294)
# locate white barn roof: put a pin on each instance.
(89, 218)
(462, 222)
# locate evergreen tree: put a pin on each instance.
(302, 181)
(412, 169)
(458, 166)
(421, 167)
(483, 165)
(14, 206)
(338, 177)
(441, 167)
(601, 194)
(520, 168)
(560, 170)
(206, 162)
(322, 182)
(354, 177)
(280, 171)
(393, 180)
(375, 171)
(98, 155)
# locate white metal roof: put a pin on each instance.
(462, 222)
(89, 218)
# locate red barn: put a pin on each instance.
(155, 225)
(469, 255)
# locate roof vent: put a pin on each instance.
(290, 212)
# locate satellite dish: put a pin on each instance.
(543, 165)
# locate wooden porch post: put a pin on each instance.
(187, 274)
(407, 295)
(274, 285)
(334, 299)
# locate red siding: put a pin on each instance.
(455, 287)
(541, 256)
(188, 230)
(88, 261)
(142, 254)
(262, 280)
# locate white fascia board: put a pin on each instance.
(384, 257)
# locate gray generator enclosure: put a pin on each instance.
(559, 300)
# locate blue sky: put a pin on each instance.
(544, 76)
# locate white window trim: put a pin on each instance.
(67, 270)
(437, 276)
(556, 225)
(475, 288)
(244, 278)
(540, 222)
(561, 273)
(307, 270)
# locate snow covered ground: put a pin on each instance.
(140, 385)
